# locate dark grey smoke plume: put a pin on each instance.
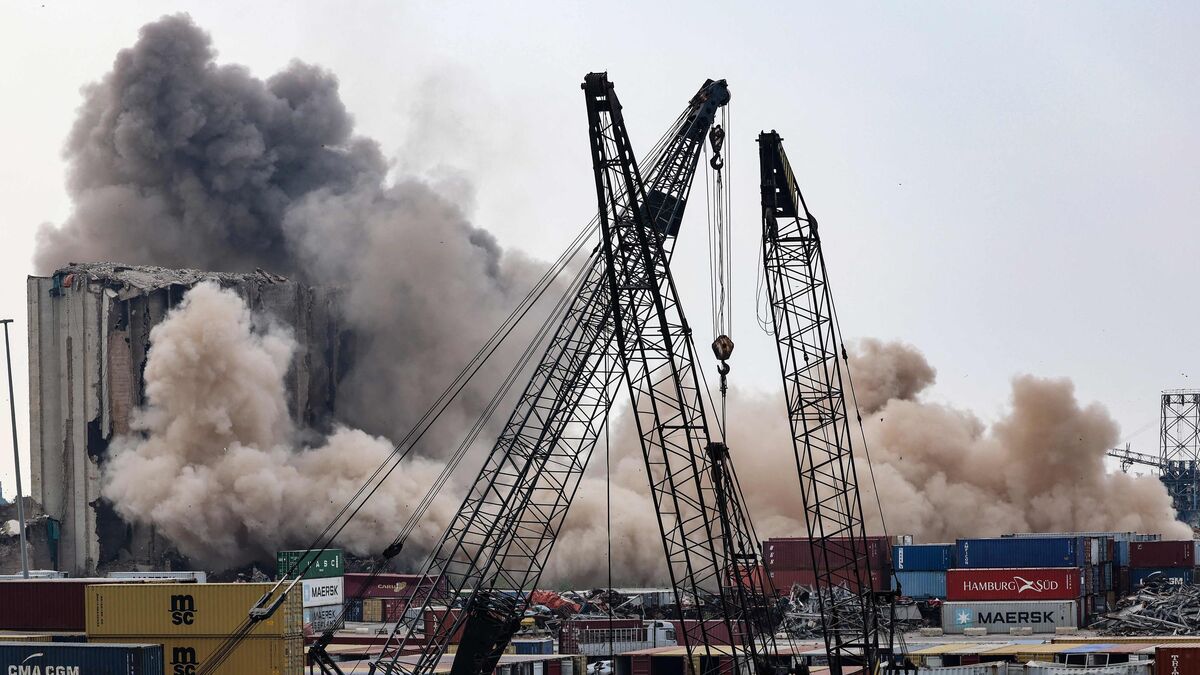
(178, 161)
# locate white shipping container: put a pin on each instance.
(198, 577)
(1133, 668)
(998, 617)
(321, 619)
(323, 592)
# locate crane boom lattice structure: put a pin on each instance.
(698, 509)
(1179, 452)
(811, 357)
(501, 537)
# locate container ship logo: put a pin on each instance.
(1027, 585)
(34, 669)
(963, 618)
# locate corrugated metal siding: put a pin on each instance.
(1024, 584)
(1181, 576)
(1020, 552)
(923, 557)
(1162, 554)
(185, 609)
(50, 657)
(795, 553)
(998, 617)
(922, 585)
(257, 656)
(1177, 660)
(783, 580)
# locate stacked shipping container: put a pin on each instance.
(790, 560)
(1021, 582)
(192, 621)
(920, 569)
(1173, 562)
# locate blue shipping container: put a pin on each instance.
(354, 610)
(1021, 552)
(65, 657)
(923, 557)
(1181, 576)
(921, 585)
(541, 646)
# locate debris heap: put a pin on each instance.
(1158, 608)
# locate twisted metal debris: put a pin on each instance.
(1158, 608)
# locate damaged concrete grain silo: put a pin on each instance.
(89, 335)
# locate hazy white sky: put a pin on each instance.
(1010, 186)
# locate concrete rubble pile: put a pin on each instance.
(1158, 608)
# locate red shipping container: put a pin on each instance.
(1180, 659)
(392, 586)
(795, 553)
(54, 605)
(1162, 553)
(1043, 583)
(783, 580)
(439, 620)
(717, 631)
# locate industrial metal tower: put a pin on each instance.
(1180, 451)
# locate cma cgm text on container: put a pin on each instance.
(1022, 584)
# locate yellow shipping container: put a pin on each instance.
(186, 609)
(253, 656)
(372, 610)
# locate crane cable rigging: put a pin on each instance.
(720, 245)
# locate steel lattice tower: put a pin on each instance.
(1180, 451)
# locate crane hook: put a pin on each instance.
(716, 138)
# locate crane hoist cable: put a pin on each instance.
(720, 269)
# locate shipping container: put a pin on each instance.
(52, 658)
(1024, 584)
(1010, 552)
(321, 592)
(180, 575)
(1179, 659)
(354, 610)
(383, 610)
(999, 617)
(47, 604)
(359, 585)
(186, 609)
(783, 580)
(921, 585)
(1045, 668)
(325, 564)
(252, 656)
(321, 619)
(1162, 554)
(570, 630)
(923, 558)
(1176, 576)
(533, 645)
(439, 620)
(718, 631)
(795, 553)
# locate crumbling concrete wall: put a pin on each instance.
(89, 336)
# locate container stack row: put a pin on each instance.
(790, 561)
(1173, 562)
